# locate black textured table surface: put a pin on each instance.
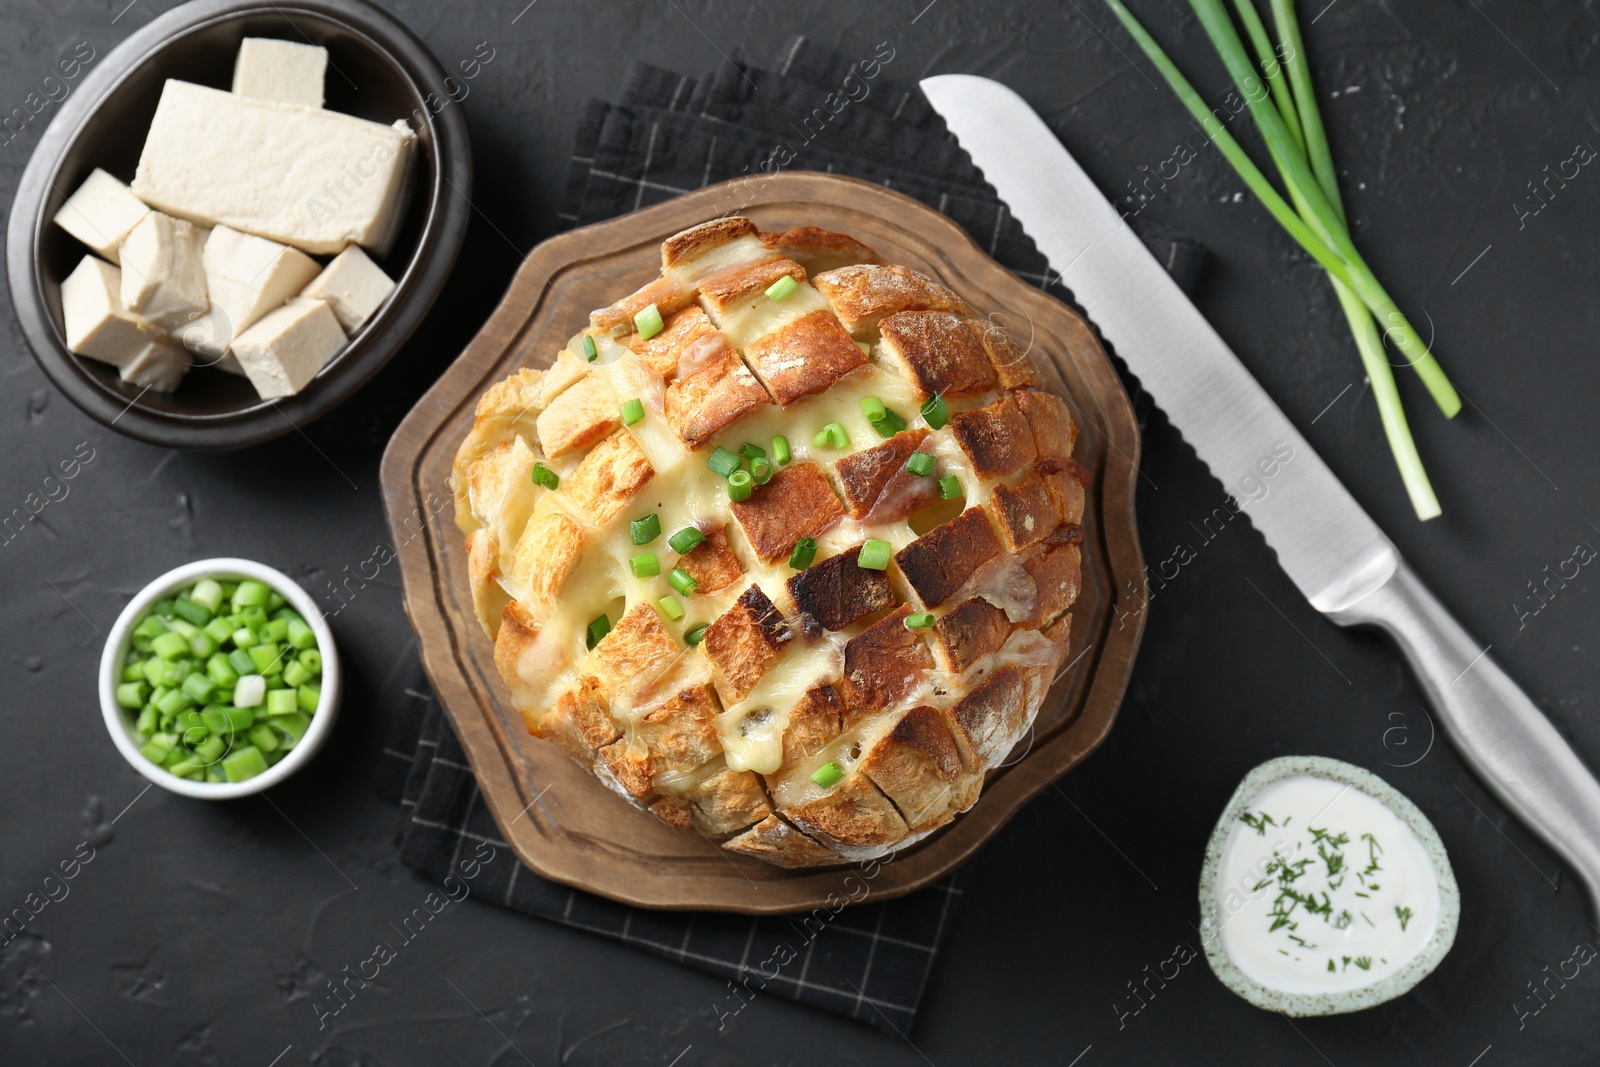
(196, 931)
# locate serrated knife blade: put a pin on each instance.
(1326, 542)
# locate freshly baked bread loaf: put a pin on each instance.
(781, 547)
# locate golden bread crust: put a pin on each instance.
(744, 643)
(939, 351)
(609, 476)
(863, 294)
(798, 502)
(722, 685)
(876, 484)
(837, 591)
(719, 390)
(805, 357)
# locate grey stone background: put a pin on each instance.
(195, 932)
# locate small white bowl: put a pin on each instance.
(120, 721)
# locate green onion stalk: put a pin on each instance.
(1292, 128)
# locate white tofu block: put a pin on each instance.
(98, 326)
(285, 350)
(160, 366)
(314, 179)
(230, 363)
(246, 277)
(163, 274)
(285, 71)
(101, 213)
(353, 286)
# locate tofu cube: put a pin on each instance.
(314, 179)
(353, 286)
(101, 213)
(163, 277)
(161, 366)
(98, 326)
(287, 348)
(246, 277)
(285, 71)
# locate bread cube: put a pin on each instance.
(798, 502)
(804, 357)
(938, 351)
(836, 592)
(881, 665)
(719, 389)
(940, 561)
(609, 476)
(743, 644)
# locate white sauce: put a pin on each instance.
(1332, 894)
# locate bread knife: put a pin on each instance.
(1332, 550)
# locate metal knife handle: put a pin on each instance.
(1501, 734)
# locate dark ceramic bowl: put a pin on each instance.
(377, 70)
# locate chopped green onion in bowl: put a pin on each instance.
(220, 740)
(246, 701)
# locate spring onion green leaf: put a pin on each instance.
(873, 408)
(740, 485)
(722, 462)
(891, 423)
(686, 540)
(648, 322)
(760, 471)
(1292, 129)
(935, 412)
(263, 737)
(590, 352)
(780, 451)
(805, 550)
(546, 477)
(832, 435)
(647, 565)
(671, 608)
(827, 774)
(643, 531)
(919, 621)
(752, 451)
(170, 645)
(598, 628)
(874, 555)
(682, 581)
(920, 463)
(632, 411)
(695, 636)
(300, 634)
(780, 289)
(244, 763)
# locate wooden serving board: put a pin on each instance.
(558, 819)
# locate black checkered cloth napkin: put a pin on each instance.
(667, 134)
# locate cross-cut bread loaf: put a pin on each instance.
(726, 720)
